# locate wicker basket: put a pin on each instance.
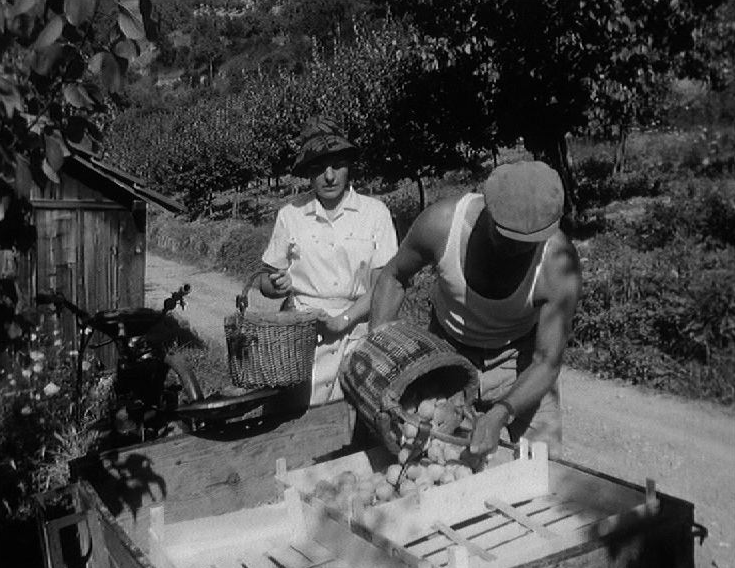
(273, 349)
(389, 359)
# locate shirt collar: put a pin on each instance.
(351, 202)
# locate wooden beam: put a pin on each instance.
(509, 511)
(457, 538)
(76, 204)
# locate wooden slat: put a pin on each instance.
(482, 532)
(289, 557)
(518, 516)
(315, 552)
(457, 538)
(254, 560)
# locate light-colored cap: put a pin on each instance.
(525, 200)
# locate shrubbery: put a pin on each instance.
(659, 299)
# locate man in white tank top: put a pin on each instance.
(508, 282)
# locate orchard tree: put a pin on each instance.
(408, 122)
(550, 63)
(63, 61)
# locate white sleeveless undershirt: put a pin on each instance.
(465, 315)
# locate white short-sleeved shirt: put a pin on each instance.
(330, 260)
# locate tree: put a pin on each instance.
(549, 63)
(63, 62)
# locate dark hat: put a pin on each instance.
(319, 137)
(525, 200)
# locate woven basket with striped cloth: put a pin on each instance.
(385, 362)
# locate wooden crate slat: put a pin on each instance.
(486, 523)
(458, 539)
(314, 551)
(518, 516)
(289, 557)
(254, 560)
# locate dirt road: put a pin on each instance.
(687, 447)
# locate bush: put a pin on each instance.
(701, 210)
(664, 317)
(44, 422)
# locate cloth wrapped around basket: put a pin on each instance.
(388, 360)
(270, 349)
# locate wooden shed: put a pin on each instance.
(91, 242)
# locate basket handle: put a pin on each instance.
(443, 436)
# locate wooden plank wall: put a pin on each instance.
(94, 254)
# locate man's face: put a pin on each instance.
(329, 176)
(505, 247)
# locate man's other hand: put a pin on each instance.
(486, 432)
(332, 325)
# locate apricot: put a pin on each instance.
(435, 471)
(408, 486)
(384, 491)
(392, 473)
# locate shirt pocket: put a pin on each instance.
(360, 249)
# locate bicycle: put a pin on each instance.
(150, 383)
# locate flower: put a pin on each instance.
(37, 355)
(37, 368)
(86, 365)
(57, 342)
(34, 337)
(26, 373)
(51, 389)
(26, 410)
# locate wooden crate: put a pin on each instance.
(211, 486)
(513, 513)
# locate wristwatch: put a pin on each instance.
(508, 407)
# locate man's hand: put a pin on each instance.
(333, 325)
(281, 281)
(486, 432)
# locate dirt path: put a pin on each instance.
(687, 447)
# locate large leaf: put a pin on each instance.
(130, 19)
(127, 49)
(76, 127)
(105, 66)
(44, 60)
(10, 97)
(54, 153)
(50, 33)
(23, 6)
(50, 172)
(76, 95)
(78, 11)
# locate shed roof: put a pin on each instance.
(83, 161)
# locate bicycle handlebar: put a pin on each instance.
(59, 301)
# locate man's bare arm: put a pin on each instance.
(564, 287)
(418, 249)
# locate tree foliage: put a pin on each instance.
(556, 67)
(62, 63)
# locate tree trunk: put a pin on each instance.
(422, 193)
(557, 156)
(619, 166)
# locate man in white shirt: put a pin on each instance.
(326, 248)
